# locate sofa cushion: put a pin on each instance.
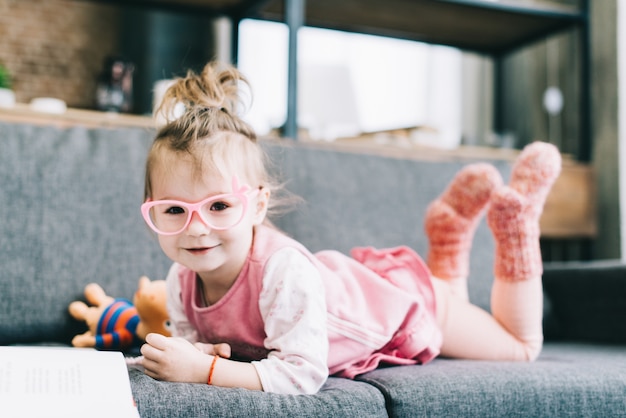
(585, 299)
(566, 380)
(337, 398)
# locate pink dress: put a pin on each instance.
(380, 306)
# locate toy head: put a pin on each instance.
(150, 301)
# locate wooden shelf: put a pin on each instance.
(489, 27)
(482, 26)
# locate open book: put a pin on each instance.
(64, 382)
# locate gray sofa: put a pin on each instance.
(70, 202)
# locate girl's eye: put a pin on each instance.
(174, 210)
(219, 206)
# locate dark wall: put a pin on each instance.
(161, 45)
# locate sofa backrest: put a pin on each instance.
(70, 202)
(358, 199)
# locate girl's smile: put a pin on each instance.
(201, 250)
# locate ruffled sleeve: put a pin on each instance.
(293, 308)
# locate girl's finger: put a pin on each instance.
(223, 350)
(157, 340)
(205, 348)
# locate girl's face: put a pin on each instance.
(216, 255)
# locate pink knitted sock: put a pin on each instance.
(515, 211)
(451, 221)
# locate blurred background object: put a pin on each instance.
(114, 92)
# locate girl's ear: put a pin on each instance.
(262, 202)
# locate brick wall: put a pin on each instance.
(56, 48)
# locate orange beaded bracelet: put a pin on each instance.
(215, 357)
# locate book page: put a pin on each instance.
(64, 382)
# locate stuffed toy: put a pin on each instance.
(118, 324)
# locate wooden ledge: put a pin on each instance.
(571, 209)
(22, 113)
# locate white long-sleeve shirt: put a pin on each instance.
(292, 305)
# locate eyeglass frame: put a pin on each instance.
(239, 191)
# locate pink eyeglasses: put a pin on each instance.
(224, 211)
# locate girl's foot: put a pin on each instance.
(515, 211)
(451, 220)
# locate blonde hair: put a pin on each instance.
(209, 130)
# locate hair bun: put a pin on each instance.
(212, 97)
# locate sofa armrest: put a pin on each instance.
(585, 301)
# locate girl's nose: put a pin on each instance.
(197, 226)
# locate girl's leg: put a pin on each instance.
(451, 221)
(514, 332)
(470, 332)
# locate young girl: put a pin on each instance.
(253, 308)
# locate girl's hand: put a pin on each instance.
(177, 360)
